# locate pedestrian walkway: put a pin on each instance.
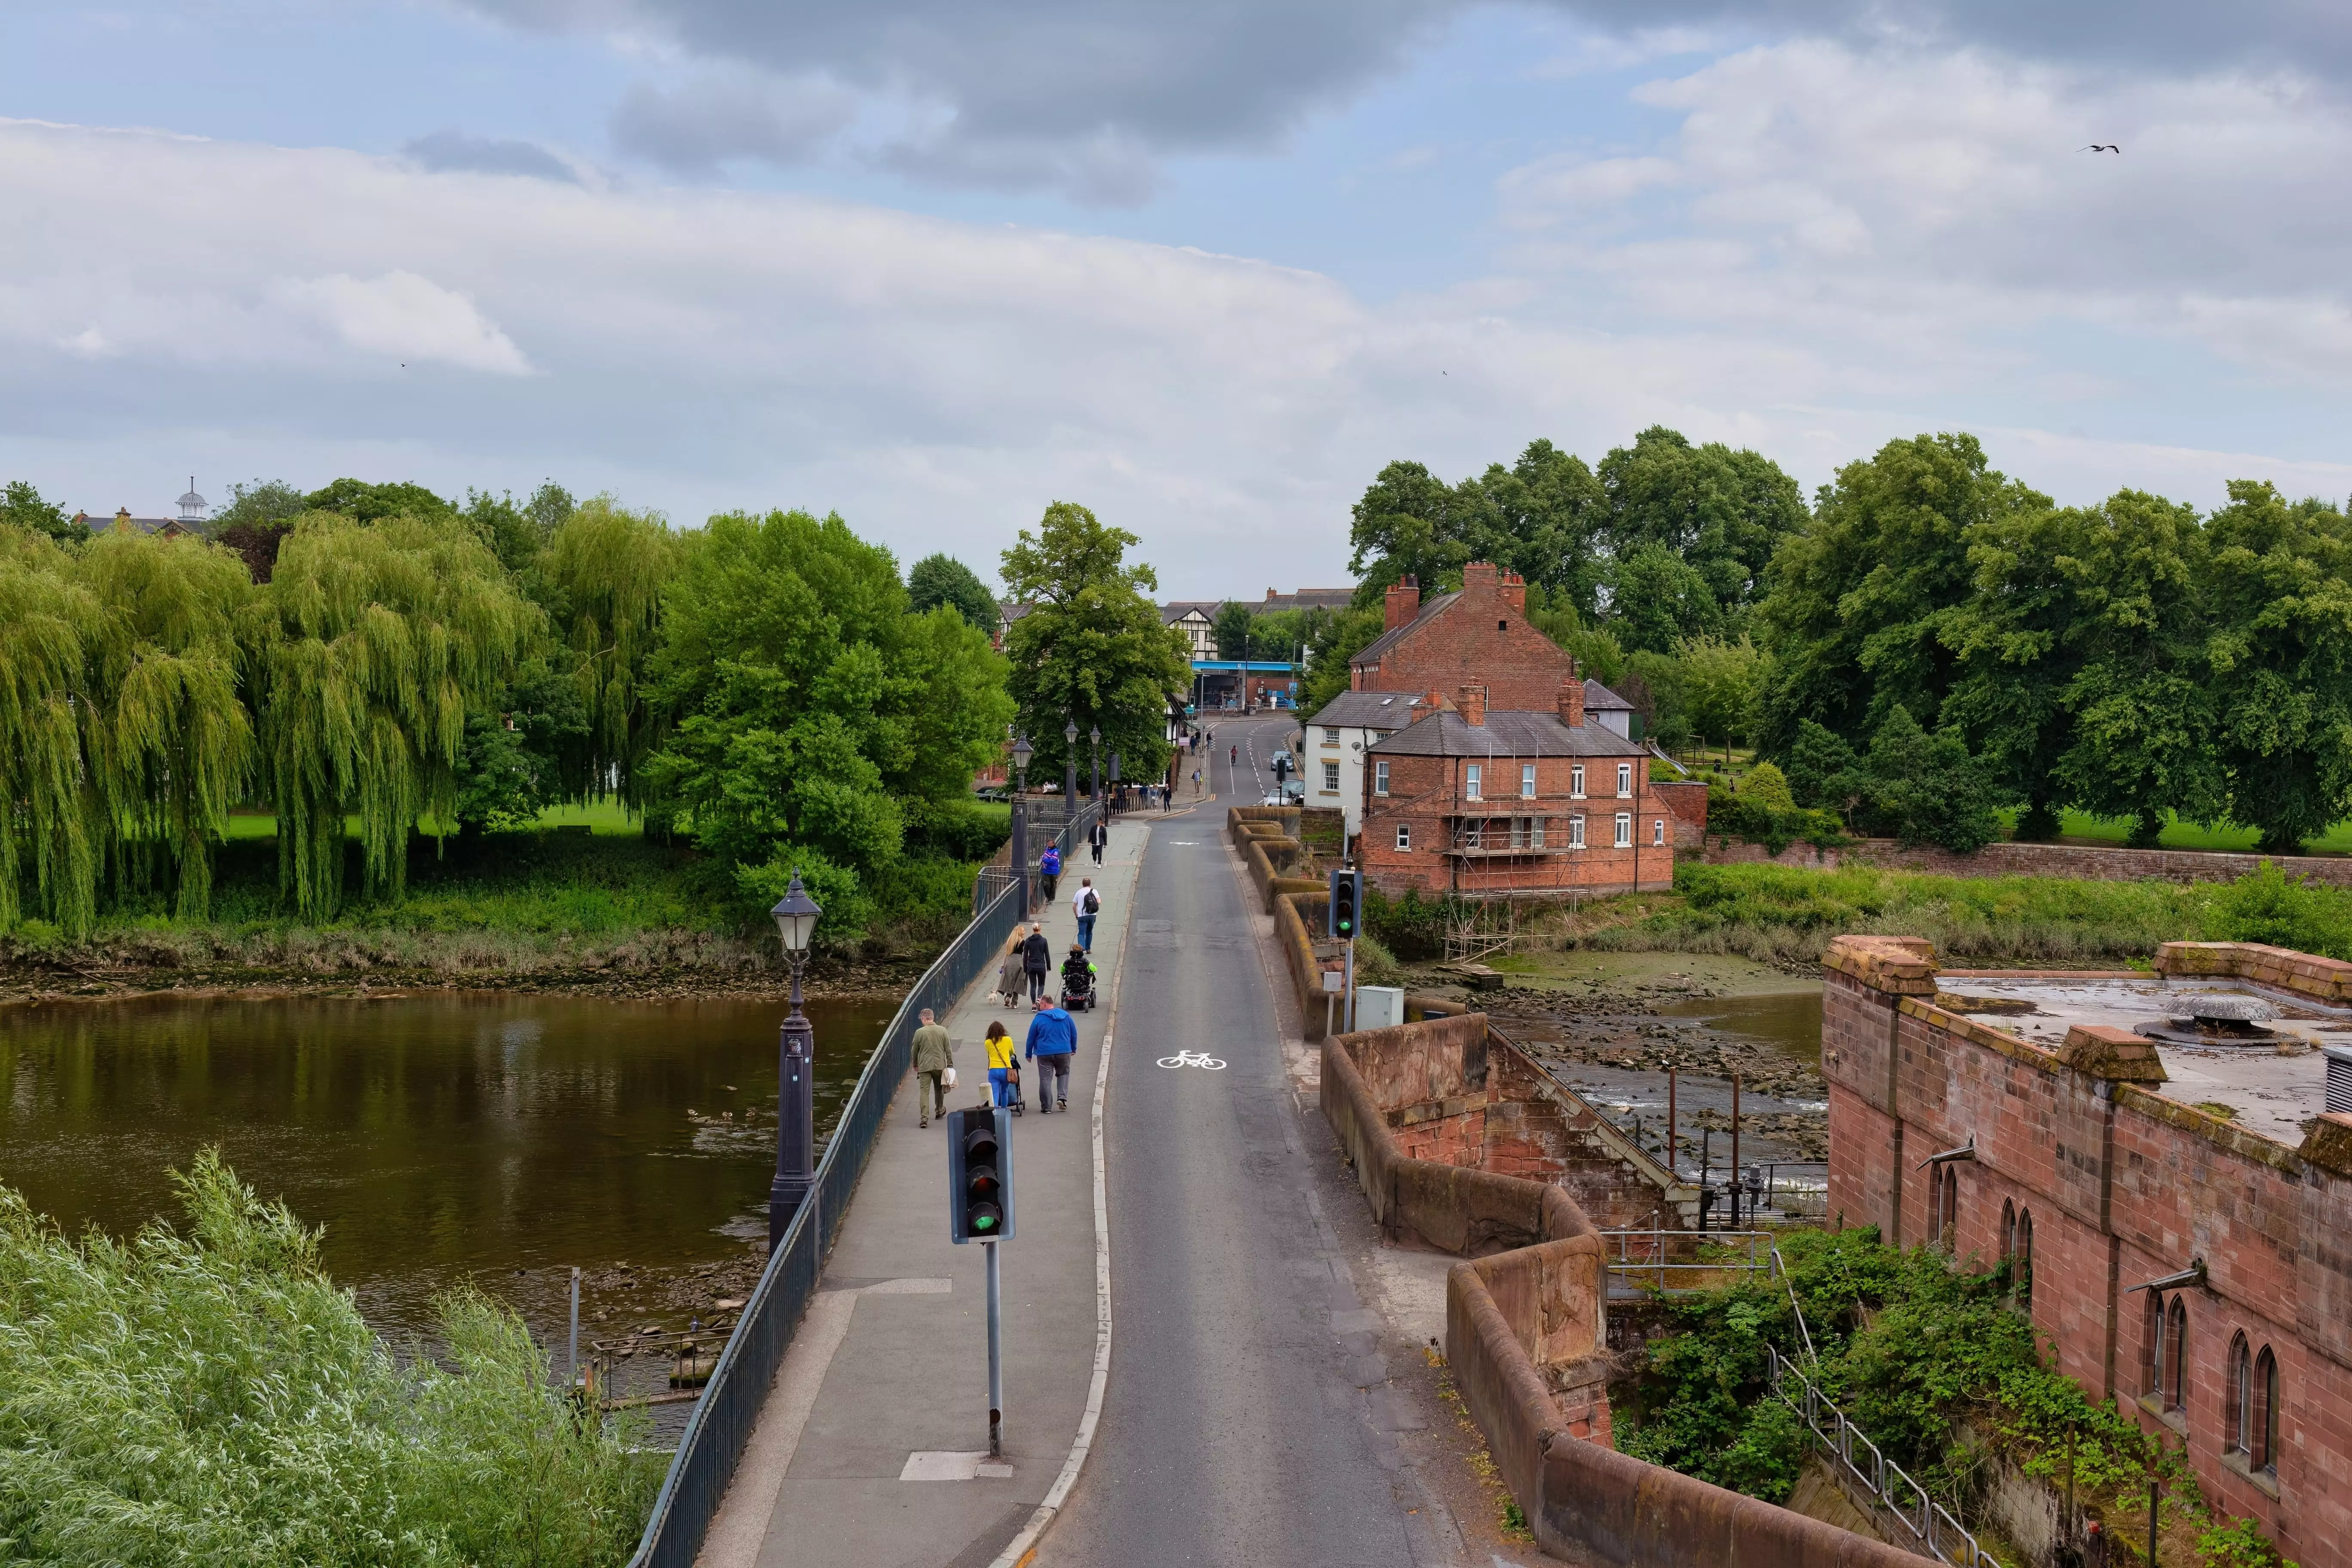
(870, 1450)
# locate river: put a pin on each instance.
(440, 1137)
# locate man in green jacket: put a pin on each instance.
(934, 1054)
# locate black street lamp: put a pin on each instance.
(796, 915)
(1069, 769)
(1021, 752)
(1095, 734)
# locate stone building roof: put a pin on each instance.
(1508, 732)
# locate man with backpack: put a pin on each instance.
(1087, 905)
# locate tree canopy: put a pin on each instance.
(941, 579)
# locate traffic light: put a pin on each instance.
(1347, 894)
(979, 1175)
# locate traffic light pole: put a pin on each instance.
(995, 1355)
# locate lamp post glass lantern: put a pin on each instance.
(1021, 752)
(1095, 735)
(795, 915)
(1069, 768)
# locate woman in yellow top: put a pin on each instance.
(1004, 1067)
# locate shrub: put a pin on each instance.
(214, 1397)
(1412, 927)
(2268, 906)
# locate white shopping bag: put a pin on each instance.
(947, 1077)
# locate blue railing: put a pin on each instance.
(723, 1419)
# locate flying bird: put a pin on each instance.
(2101, 147)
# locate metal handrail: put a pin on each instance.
(1929, 1521)
(720, 1424)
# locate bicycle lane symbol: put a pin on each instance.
(1194, 1060)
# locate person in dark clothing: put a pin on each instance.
(1099, 838)
(1036, 960)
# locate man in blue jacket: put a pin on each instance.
(1052, 1038)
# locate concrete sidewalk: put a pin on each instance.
(887, 1381)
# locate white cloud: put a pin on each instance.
(407, 318)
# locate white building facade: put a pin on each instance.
(1331, 750)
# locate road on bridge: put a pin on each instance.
(1249, 1415)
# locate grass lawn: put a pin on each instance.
(605, 819)
(2178, 834)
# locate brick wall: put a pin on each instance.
(1482, 638)
(2122, 1185)
(2006, 859)
(1424, 791)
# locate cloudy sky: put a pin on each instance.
(1203, 265)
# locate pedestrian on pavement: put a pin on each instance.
(1087, 905)
(1099, 838)
(934, 1057)
(1004, 1065)
(1052, 1038)
(1196, 781)
(1049, 870)
(1008, 972)
(1036, 960)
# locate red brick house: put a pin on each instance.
(1509, 802)
(1479, 634)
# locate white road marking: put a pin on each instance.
(1193, 1059)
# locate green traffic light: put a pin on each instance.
(984, 1222)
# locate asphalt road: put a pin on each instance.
(1248, 1417)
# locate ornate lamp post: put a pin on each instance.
(1095, 735)
(1021, 752)
(796, 915)
(1069, 769)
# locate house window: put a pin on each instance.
(2151, 1364)
(2265, 1421)
(1624, 780)
(2025, 1275)
(1658, 832)
(1404, 835)
(1470, 782)
(1537, 842)
(1474, 834)
(1521, 830)
(1331, 777)
(2176, 1354)
(1624, 830)
(1946, 1228)
(1379, 778)
(1576, 833)
(2238, 1436)
(1576, 782)
(1527, 780)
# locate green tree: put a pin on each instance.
(50, 820)
(506, 527)
(813, 709)
(1723, 513)
(1409, 524)
(1858, 600)
(1093, 651)
(1594, 648)
(1657, 599)
(1337, 643)
(1719, 686)
(2280, 586)
(1545, 517)
(549, 507)
(365, 502)
(1924, 788)
(941, 579)
(1233, 627)
(1823, 772)
(255, 521)
(21, 506)
(2020, 651)
(376, 642)
(607, 569)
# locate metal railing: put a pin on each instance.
(721, 1421)
(1930, 1523)
(1674, 1260)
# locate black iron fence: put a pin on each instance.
(721, 1423)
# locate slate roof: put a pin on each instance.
(1370, 652)
(1508, 732)
(1367, 711)
(1600, 699)
(1307, 599)
(1177, 609)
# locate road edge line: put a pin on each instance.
(1023, 1546)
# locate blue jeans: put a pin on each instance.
(1087, 932)
(1000, 1086)
(1052, 1079)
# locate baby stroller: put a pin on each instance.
(1078, 982)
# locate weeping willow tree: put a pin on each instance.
(376, 640)
(168, 744)
(48, 811)
(608, 568)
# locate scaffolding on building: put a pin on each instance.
(1482, 916)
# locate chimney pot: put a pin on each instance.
(1403, 604)
(1572, 699)
(1472, 703)
(1515, 592)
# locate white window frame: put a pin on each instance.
(1658, 833)
(1404, 835)
(1624, 830)
(1518, 832)
(1624, 780)
(1576, 831)
(1473, 781)
(1539, 840)
(1331, 778)
(1473, 833)
(1380, 776)
(1576, 782)
(1527, 780)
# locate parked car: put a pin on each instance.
(1281, 759)
(1292, 793)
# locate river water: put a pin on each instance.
(439, 1138)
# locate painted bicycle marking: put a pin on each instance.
(1193, 1059)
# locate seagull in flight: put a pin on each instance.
(2101, 147)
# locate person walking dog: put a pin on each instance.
(1052, 1038)
(1099, 838)
(1008, 972)
(934, 1059)
(1087, 905)
(1036, 960)
(1002, 1066)
(1049, 871)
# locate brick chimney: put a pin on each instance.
(1572, 699)
(1473, 704)
(1515, 592)
(1481, 575)
(1429, 706)
(1404, 604)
